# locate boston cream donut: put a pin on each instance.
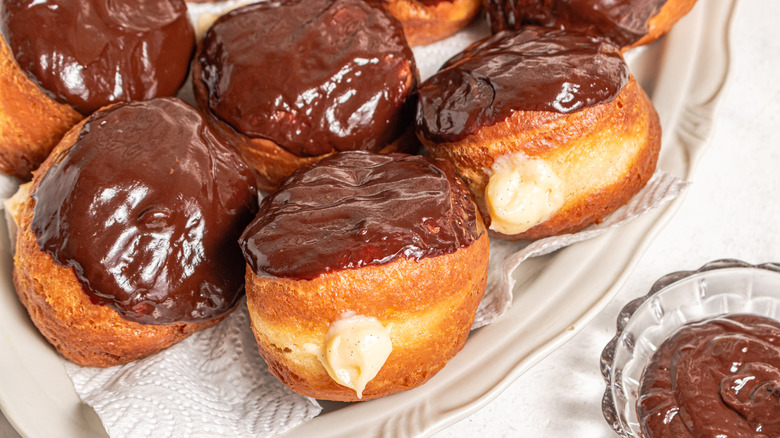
(428, 21)
(289, 82)
(627, 23)
(127, 243)
(547, 127)
(364, 274)
(63, 59)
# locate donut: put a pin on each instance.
(289, 82)
(364, 272)
(547, 127)
(428, 21)
(127, 242)
(61, 60)
(627, 23)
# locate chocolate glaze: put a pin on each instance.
(535, 69)
(718, 377)
(90, 53)
(313, 76)
(147, 207)
(355, 209)
(622, 21)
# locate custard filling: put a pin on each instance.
(522, 192)
(355, 349)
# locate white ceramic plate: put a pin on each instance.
(555, 295)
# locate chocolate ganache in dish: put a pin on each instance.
(147, 207)
(355, 209)
(313, 76)
(718, 377)
(535, 69)
(90, 53)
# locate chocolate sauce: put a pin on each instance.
(147, 207)
(535, 69)
(718, 377)
(356, 209)
(90, 53)
(313, 76)
(622, 21)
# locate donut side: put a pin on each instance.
(602, 156)
(85, 333)
(671, 12)
(31, 123)
(428, 22)
(428, 305)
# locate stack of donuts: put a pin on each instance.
(364, 263)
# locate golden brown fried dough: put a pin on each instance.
(426, 22)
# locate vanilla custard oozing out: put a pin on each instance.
(354, 350)
(522, 192)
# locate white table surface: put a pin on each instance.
(730, 211)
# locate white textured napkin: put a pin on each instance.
(215, 383)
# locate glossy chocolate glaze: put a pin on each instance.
(535, 69)
(718, 377)
(622, 21)
(147, 207)
(90, 53)
(313, 76)
(356, 209)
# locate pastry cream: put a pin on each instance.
(354, 350)
(522, 192)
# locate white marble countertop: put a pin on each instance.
(730, 211)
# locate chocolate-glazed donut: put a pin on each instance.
(360, 249)
(627, 23)
(547, 127)
(532, 70)
(288, 82)
(61, 60)
(130, 233)
(96, 52)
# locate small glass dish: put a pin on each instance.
(717, 288)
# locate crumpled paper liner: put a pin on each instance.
(506, 256)
(214, 383)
